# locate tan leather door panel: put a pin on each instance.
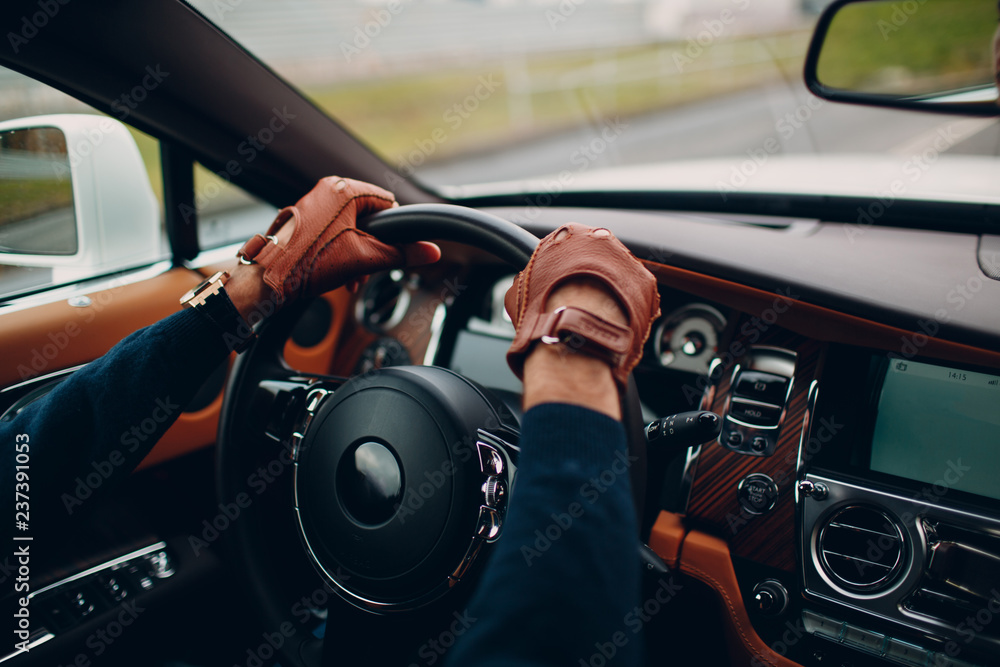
(54, 336)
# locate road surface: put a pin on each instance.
(722, 127)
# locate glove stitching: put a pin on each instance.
(315, 257)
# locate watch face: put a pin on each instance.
(210, 300)
(210, 287)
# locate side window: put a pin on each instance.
(226, 213)
(81, 194)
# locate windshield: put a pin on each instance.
(456, 92)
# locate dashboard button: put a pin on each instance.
(160, 565)
(489, 524)
(490, 461)
(814, 490)
(494, 492)
(764, 387)
(80, 604)
(908, 654)
(771, 597)
(757, 493)
(116, 588)
(765, 601)
(755, 414)
(944, 660)
(818, 624)
(869, 641)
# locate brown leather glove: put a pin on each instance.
(326, 249)
(582, 251)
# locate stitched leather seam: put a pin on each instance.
(733, 615)
(337, 215)
(301, 272)
(307, 272)
(523, 292)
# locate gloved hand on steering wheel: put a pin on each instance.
(583, 292)
(315, 246)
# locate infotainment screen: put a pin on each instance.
(939, 426)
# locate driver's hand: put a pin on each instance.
(582, 308)
(315, 246)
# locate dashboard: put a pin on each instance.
(854, 481)
(849, 511)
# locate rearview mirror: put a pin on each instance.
(75, 197)
(935, 55)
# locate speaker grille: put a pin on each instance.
(862, 549)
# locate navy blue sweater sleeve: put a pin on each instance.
(96, 426)
(565, 575)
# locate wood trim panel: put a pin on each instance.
(769, 538)
(818, 322)
(439, 284)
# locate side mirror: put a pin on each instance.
(75, 197)
(934, 55)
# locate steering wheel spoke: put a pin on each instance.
(280, 402)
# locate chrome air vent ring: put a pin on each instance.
(861, 548)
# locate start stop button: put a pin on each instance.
(757, 493)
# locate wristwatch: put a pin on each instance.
(211, 301)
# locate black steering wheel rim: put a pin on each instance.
(420, 222)
(244, 539)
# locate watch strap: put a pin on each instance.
(583, 332)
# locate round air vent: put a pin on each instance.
(313, 324)
(862, 549)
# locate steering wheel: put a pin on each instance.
(390, 486)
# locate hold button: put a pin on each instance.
(755, 414)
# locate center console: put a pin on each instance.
(897, 505)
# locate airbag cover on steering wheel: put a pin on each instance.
(388, 485)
